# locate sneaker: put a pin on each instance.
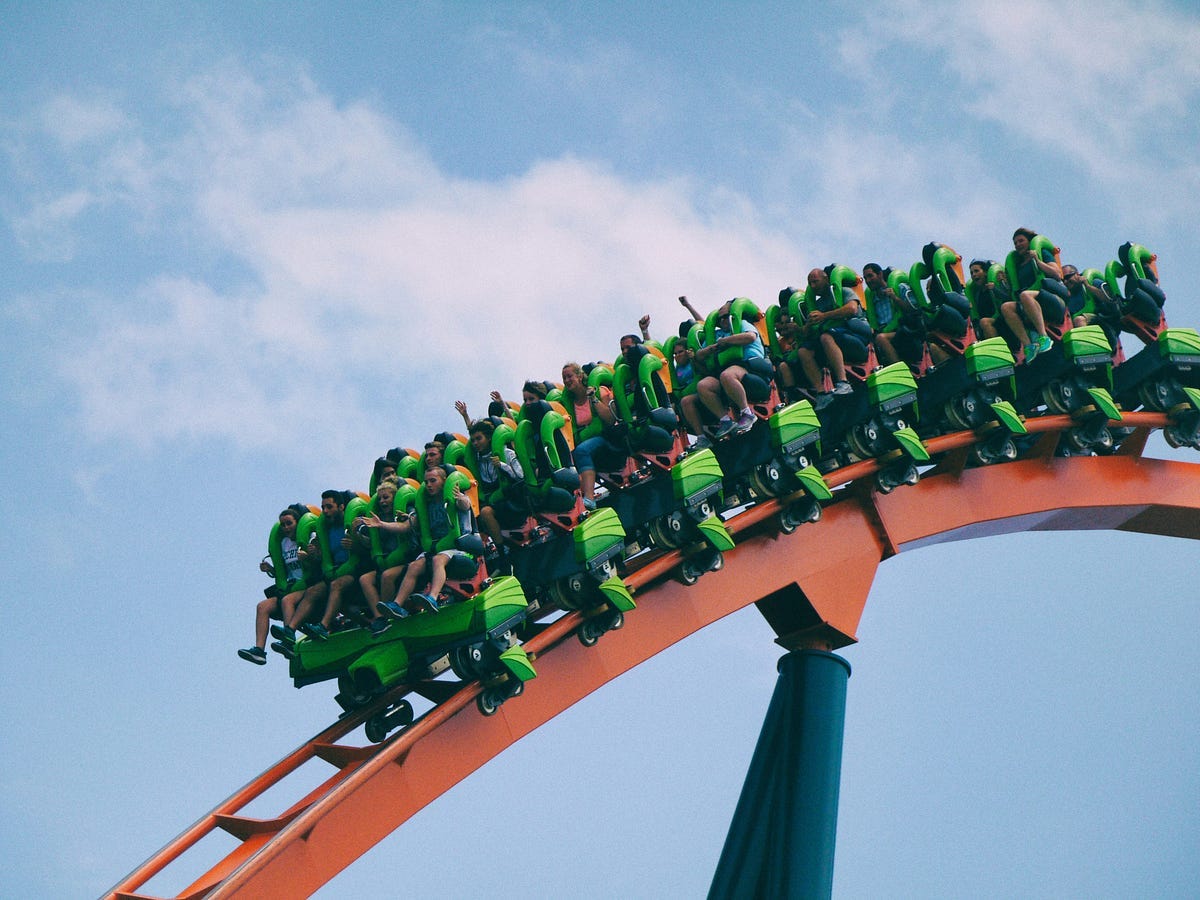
(842, 388)
(393, 609)
(315, 630)
(824, 398)
(1044, 343)
(283, 633)
(1031, 350)
(726, 425)
(589, 504)
(427, 602)
(701, 443)
(745, 422)
(256, 655)
(285, 650)
(379, 626)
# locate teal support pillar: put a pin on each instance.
(781, 839)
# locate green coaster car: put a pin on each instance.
(1176, 389)
(596, 589)
(478, 635)
(794, 433)
(892, 393)
(1085, 392)
(987, 406)
(697, 484)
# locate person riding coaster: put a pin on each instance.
(945, 306)
(646, 424)
(733, 372)
(835, 333)
(1143, 298)
(1035, 277)
(445, 519)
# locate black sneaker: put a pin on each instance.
(283, 633)
(315, 630)
(285, 650)
(379, 626)
(256, 655)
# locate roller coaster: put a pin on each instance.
(984, 442)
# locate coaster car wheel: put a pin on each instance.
(467, 662)
(350, 696)
(1155, 395)
(489, 701)
(960, 412)
(375, 730)
(1078, 439)
(589, 633)
(689, 574)
(668, 531)
(570, 592)
(766, 479)
(863, 440)
(991, 453)
(1175, 437)
(380, 724)
(1059, 396)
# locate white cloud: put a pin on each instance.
(379, 290)
(1097, 83)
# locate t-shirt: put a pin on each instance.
(291, 559)
(337, 553)
(749, 351)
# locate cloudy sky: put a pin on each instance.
(247, 248)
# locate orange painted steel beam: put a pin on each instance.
(811, 585)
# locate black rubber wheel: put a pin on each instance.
(350, 693)
(1059, 396)
(1155, 395)
(466, 662)
(376, 730)
(487, 702)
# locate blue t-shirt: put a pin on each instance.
(749, 351)
(337, 553)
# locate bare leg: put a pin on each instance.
(883, 347)
(812, 371)
(1033, 311)
(690, 405)
(735, 391)
(304, 609)
(262, 620)
(709, 392)
(587, 487)
(833, 356)
(437, 580)
(1008, 310)
(336, 591)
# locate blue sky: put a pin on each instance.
(247, 248)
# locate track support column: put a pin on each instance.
(781, 839)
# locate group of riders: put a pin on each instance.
(362, 558)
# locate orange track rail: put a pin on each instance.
(815, 599)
